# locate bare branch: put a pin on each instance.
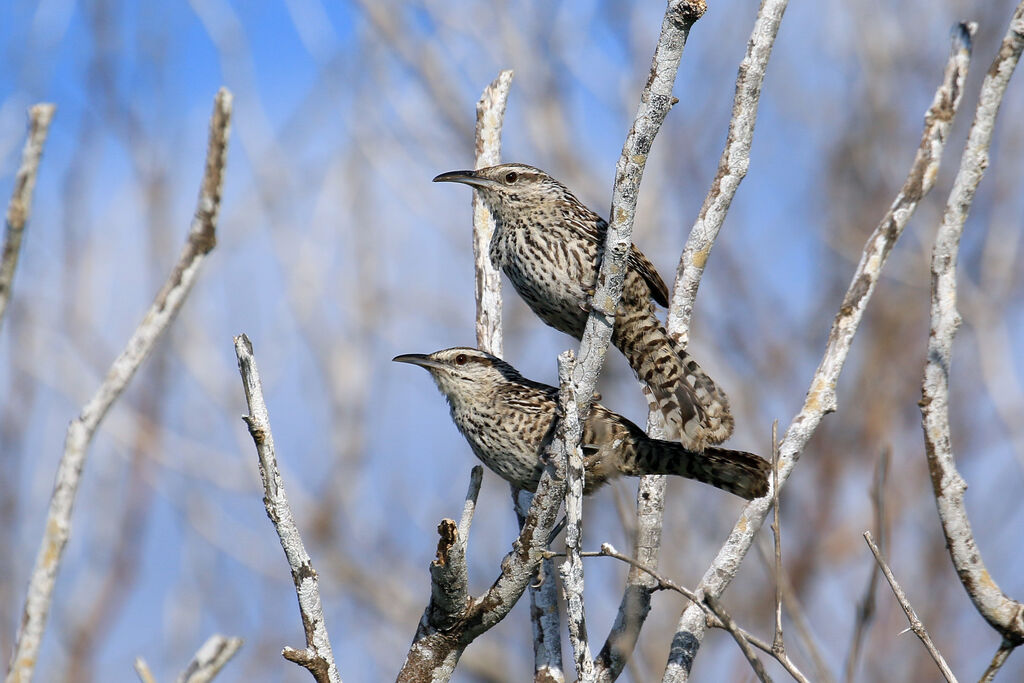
(317, 657)
(569, 435)
(201, 239)
(732, 167)
(1000, 611)
(729, 625)
(821, 397)
(655, 102)
(434, 653)
(915, 624)
(490, 115)
(20, 206)
(210, 659)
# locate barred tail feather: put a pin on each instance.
(652, 356)
(719, 423)
(737, 472)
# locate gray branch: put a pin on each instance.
(317, 656)
(201, 239)
(20, 206)
(821, 396)
(1001, 612)
(732, 167)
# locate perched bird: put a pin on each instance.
(509, 421)
(550, 246)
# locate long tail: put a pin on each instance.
(738, 472)
(695, 410)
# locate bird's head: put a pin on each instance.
(462, 372)
(511, 187)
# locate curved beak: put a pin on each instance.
(419, 359)
(466, 178)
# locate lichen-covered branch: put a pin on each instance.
(201, 239)
(821, 396)
(490, 115)
(317, 656)
(18, 209)
(655, 102)
(1001, 612)
(732, 167)
(568, 436)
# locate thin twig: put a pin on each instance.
(210, 659)
(317, 656)
(777, 643)
(866, 606)
(663, 583)
(20, 206)
(999, 610)
(821, 396)
(915, 624)
(201, 239)
(730, 626)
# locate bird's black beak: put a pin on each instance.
(466, 178)
(419, 359)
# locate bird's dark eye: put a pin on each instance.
(511, 177)
(460, 359)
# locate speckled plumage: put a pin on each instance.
(550, 245)
(509, 420)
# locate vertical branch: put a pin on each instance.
(20, 206)
(201, 239)
(821, 396)
(490, 115)
(570, 434)
(1001, 612)
(317, 656)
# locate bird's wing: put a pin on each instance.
(594, 228)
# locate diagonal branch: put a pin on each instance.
(1001, 612)
(317, 656)
(201, 239)
(20, 206)
(732, 167)
(821, 396)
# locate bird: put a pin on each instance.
(509, 421)
(550, 245)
